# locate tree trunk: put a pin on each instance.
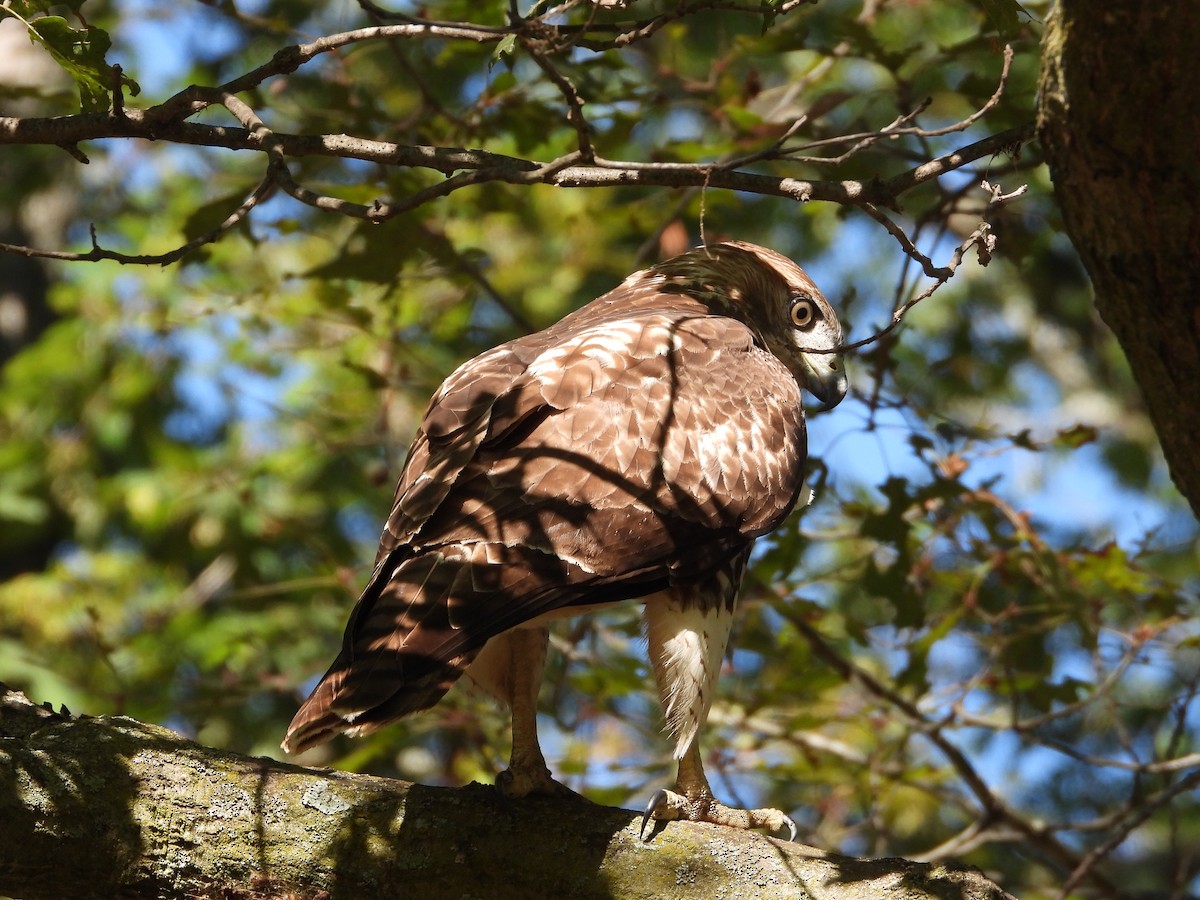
(1121, 128)
(109, 807)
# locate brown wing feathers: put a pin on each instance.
(638, 442)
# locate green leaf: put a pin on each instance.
(374, 253)
(504, 51)
(742, 118)
(372, 378)
(1075, 436)
(80, 52)
(920, 443)
(28, 9)
(23, 509)
(1002, 16)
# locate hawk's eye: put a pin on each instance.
(803, 312)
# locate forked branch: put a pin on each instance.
(544, 39)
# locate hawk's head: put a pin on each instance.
(777, 300)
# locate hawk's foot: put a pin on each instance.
(667, 806)
(526, 781)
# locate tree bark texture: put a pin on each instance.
(110, 807)
(1120, 125)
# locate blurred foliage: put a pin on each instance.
(996, 585)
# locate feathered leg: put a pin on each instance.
(510, 668)
(687, 638)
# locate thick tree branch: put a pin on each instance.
(1120, 127)
(71, 130)
(100, 807)
(472, 167)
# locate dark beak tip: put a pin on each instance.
(830, 398)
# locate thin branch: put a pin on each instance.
(860, 141)
(977, 834)
(1030, 725)
(970, 120)
(571, 97)
(75, 153)
(417, 198)
(282, 176)
(247, 116)
(1087, 866)
(981, 238)
(625, 34)
(910, 250)
(287, 60)
(1003, 142)
(468, 167)
(118, 93)
(448, 250)
(264, 190)
(993, 808)
(1162, 766)
(901, 128)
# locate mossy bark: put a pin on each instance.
(110, 807)
(1120, 125)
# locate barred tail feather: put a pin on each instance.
(418, 627)
(331, 709)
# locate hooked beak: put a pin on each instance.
(826, 378)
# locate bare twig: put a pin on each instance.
(860, 141)
(570, 96)
(542, 35)
(901, 128)
(118, 93)
(981, 238)
(1086, 868)
(248, 117)
(282, 176)
(1002, 142)
(75, 153)
(447, 250)
(265, 188)
(287, 60)
(964, 124)
(69, 130)
(993, 809)
(977, 834)
(625, 34)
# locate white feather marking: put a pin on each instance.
(806, 496)
(608, 344)
(687, 647)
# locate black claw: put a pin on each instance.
(658, 797)
(791, 828)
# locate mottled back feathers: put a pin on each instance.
(641, 442)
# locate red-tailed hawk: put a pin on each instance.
(633, 450)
